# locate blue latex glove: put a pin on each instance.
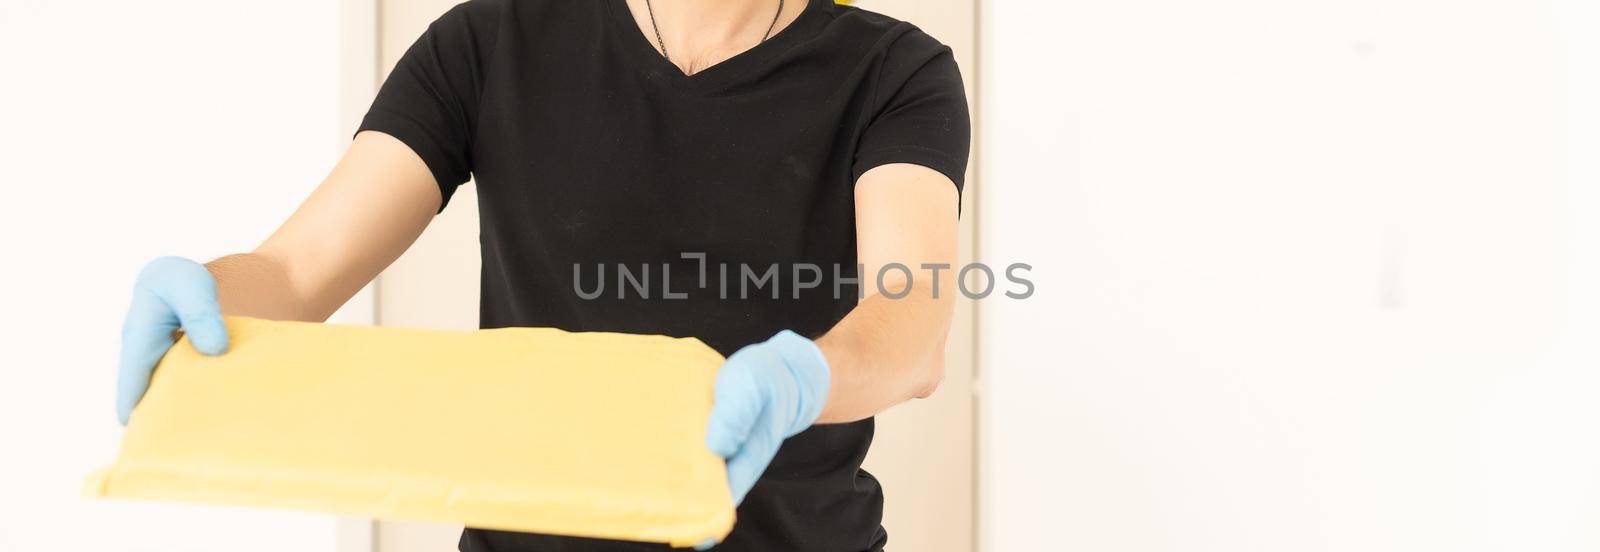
(171, 293)
(765, 393)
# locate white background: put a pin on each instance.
(1311, 275)
(130, 130)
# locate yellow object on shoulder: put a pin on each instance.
(520, 429)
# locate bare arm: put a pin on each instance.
(888, 351)
(373, 205)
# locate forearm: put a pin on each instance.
(365, 214)
(255, 284)
(887, 351)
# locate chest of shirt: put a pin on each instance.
(613, 148)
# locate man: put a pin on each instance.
(820, 143)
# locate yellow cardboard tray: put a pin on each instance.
(520, 429)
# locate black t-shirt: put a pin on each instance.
(593, 154)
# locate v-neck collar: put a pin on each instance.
(641, 50)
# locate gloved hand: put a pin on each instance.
(170, 293)
(765, 393)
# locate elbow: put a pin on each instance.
(932, 362)
(928, 387)
(930, 358)
(932, 374)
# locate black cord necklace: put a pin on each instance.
(663, 43)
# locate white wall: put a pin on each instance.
(130, 130)
(1311, 275)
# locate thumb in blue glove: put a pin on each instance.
(764, 394)
(171, 293)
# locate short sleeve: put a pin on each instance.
(430, 100)
(921, 115)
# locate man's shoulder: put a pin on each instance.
(897, 36)
(552, 11)
(489, 19)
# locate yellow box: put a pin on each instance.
(521, 429)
